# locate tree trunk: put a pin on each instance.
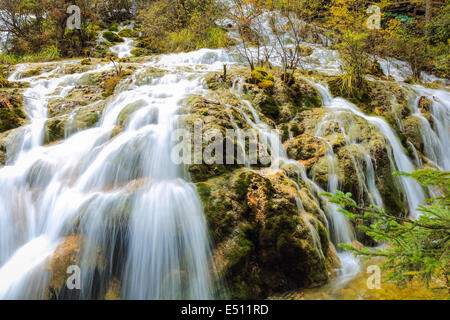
(427, 15)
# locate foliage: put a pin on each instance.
(175, 25)
(415, 248)
(46, 54)
(355, 60)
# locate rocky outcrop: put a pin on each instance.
(264, 240)
(264, 244)
(62, 126)
(11, 113)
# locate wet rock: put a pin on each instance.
(112, 37)
(307, 149)
(263, 244)
(11, 113)
(62, 126)
(411, 129)
(77, 97)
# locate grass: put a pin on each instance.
(47, 54)
(187, 39)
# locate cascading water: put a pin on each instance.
(340, 228)
(123, 50)
(436, 136)
(94, 181)
(413, 191)
(130, 202)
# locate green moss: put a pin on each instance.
(31, 72)
(259, 75)
(266, 85)
(269, 107)
(139, 52)
(114, 27)
(342, 86)
(110, 84)
(112, 37)
(86, 61)
(4, 83)
(128, 110)
(324, 238)
(242, 247)
(11, 113)
(127, 33)
(55, 130)
(375, 69)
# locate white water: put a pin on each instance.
(340, 229)
(45, 189)
(412, 189)
(436, 136)
(128, 188)
(123, 49)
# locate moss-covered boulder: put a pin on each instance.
(11, 113)
(112, 37)
(62, 126)
(211, 116)
(411, 129)
(264, 243)
(127, 33)
(76, 98)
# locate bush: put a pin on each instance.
(416, 248)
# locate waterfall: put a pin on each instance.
(125, 189)
(412, 189)
(137, 212)
(436, 136)
(340, 229)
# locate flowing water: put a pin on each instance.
(87, 182)
(399, 158)
(89, 178)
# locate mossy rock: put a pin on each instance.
(425, 104)
(411, 129)
(267, 85)
(76, 98)
(11, 113)
(85, 61)
(262, 242)
(268, 106)
(139, 52)
(31, 71)
(4, 83)
(57, 128)
(114, 27)
(375, 69)
(341, 86)
(127, 33)
(259, 74)
(128, 110)
(110, 84)
(112, 37)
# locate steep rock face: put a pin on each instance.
(263, 243)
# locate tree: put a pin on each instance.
(247, 17)
(415, 248)
(289, 33)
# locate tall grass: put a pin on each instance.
(47, 54)
(187, 39)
